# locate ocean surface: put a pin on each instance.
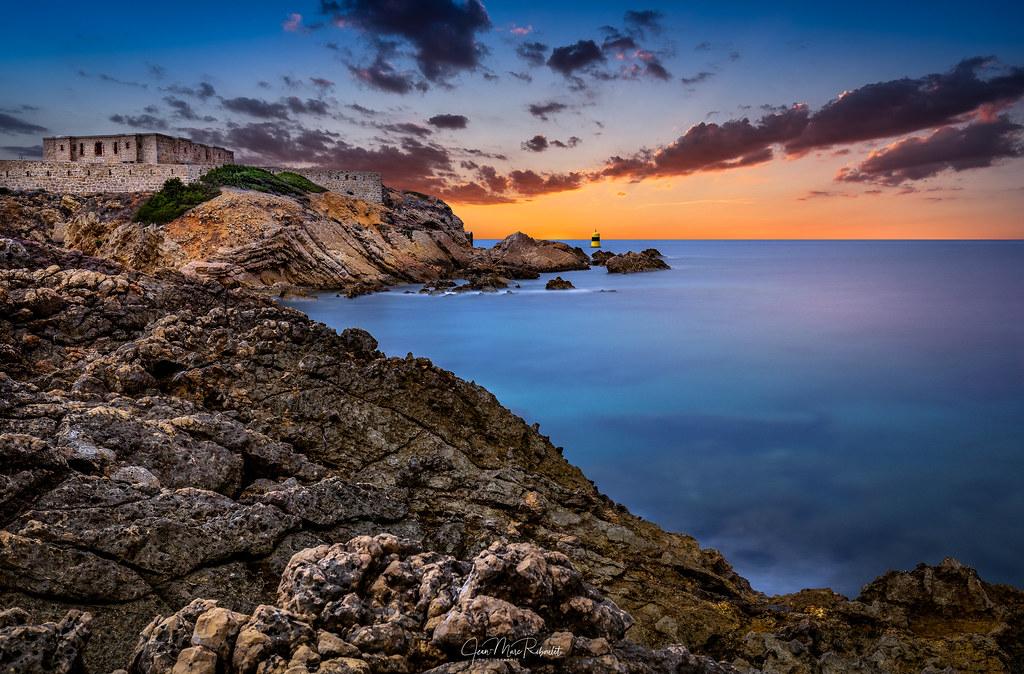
(820, 412)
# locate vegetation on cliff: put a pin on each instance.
(176, 198)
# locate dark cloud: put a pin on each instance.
(310, 106)
(871, 112)
(536, 144)
(976, 145)
(896, 107)
(182, 110)
(449, 121)
(24, 107)
(323, 84)
(24, 151)
(473, 193)
(156, 71)
(545, 110)
(703, 46)
(382, 75)
(202, 91)
(525, 77)
(363, 110)
(653, 67)
(146, 121)
(291, 82)
(13, 125)
(702, 76)
(442, 32)
(406, 128)
(256, 107)
(534, 53)
(619, 43)
(710, 146)
(529, 183)
(573, 141)
(643, 20)
(571, 58)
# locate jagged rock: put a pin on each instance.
(558, 283)
(599, 257)
(419, 611)
(49, 648)
(522, 251)
(482, 283)
(266, 434)
(631, 263)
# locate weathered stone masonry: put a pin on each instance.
(138, 148)
(365, 185)
(87, 178)
(142, 162)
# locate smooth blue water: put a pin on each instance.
(818, 411)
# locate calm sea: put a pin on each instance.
(820, 412)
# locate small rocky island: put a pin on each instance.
(629, 262)
(194, 478)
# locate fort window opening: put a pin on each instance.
(115, 147)
(62, 148)
(98, 149)
(127, 145)
(81, 149)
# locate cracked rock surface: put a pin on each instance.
(162, 442)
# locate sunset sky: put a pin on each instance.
(650, 120)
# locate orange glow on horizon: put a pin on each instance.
(765, 202)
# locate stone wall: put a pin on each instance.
(141, 148)
(87, 178)
(92, 149)
(365, 185)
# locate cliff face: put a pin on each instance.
(279, 243)
(163, 440)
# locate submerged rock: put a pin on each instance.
(558, 283)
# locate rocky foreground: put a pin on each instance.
(165, 440)
(285, 244)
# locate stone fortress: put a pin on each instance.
(142, 162)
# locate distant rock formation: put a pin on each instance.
(284, 245)
(521, 251)
(558, 283)
(631, 263)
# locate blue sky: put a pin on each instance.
(117, 66)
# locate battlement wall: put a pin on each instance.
(88, 178)
(365, 185)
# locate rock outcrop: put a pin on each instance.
(631, 263)
(520, 251)
(558, 283)
(48, 648)
(283, 244)
(166, 439)
(382, 604)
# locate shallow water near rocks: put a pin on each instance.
(818, 411)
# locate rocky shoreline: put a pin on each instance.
(168, 441)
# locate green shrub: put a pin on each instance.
(174, 199)
(300, 181)
(260, 180)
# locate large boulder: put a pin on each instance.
(521, 251)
